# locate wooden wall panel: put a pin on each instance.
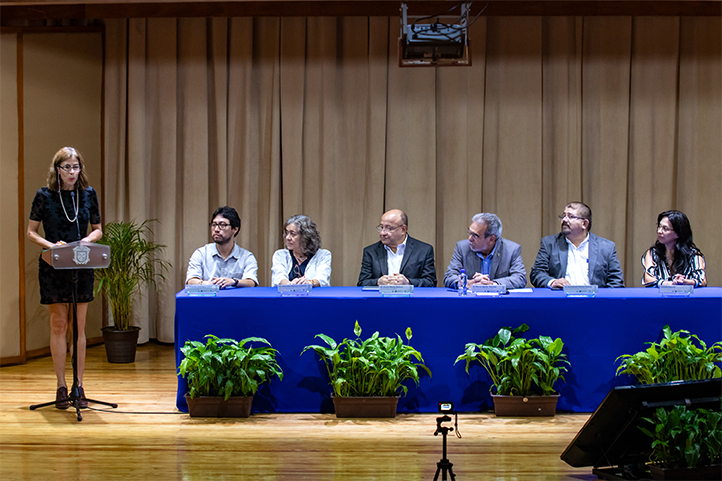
(9, 253)
(62, 106)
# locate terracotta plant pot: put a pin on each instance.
(712, 471)
(120, 346)
(217, 407)
(525, 405)
(365, 407)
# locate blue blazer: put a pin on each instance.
(417, 264)
(551, 262)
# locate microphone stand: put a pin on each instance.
(74, 396)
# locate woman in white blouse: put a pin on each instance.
(302, 261)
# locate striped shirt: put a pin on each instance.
(659, 271)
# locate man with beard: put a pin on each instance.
(575, 256)
(223, 262)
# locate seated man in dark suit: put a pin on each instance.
(486, 257)
(575, 256)
(397, 258)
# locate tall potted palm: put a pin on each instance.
(134, 262)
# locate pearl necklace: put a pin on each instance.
(76, 206)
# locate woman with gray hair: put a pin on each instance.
(302, 261)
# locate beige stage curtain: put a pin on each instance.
(312, 115)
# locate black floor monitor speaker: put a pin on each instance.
(611, 436)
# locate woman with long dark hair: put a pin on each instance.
(673, 259)
(65, 207)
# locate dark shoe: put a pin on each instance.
(61, 398)
(82, 402)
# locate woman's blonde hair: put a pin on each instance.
(66, 153)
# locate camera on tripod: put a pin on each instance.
(446, 408)
(444, 466)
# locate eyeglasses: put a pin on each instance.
(569, 216)
(71, 168)
(385, 228)
(219, 225)
(664, 228)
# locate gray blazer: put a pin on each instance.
(507, 268)
(551, 262)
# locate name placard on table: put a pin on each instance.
(580, 291)
(396, 291)
(202, 290)
(682, 290)
(295, 290)
(492, 290)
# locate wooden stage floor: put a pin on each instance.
(146, 438)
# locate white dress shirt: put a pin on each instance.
(206, 263)
(578, 263)
(318, 267)
(393, 259)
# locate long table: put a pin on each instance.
(595, 332)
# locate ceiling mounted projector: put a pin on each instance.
(435, 40)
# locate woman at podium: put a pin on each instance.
(65, 207)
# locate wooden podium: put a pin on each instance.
(74, 256)
(78, 255)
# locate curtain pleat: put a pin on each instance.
(698, 168)
(512, 166)
(460, 94)
(605, 124)
(280, 116)
(653, 120)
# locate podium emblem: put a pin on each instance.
(82, 254)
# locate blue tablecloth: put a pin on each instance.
(595, 332)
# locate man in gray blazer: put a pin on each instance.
(486, 257)
(575, 256)
(397, 258)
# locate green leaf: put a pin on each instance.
(135, 262)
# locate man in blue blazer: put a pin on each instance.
(397, 258)
(575, 256)
(486, 256)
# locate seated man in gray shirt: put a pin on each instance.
(223, 262)
(487, 257)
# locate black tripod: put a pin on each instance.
(444, 465)
(74, 396)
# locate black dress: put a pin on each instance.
(55, 285)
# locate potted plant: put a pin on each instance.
(677, 357)
(367, 376)
(686, 443)
(133, 263)
(522, 371)
(223, 375)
